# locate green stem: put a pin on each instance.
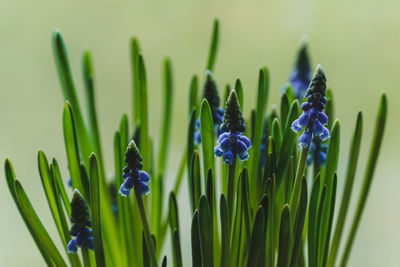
(231, 187)
(85, 256)
(145, 224)
(294, 200)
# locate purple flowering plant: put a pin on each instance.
(254, 200)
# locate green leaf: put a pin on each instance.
(196, 245)
(246, 203)
(299, 224)
(207, 137)
(271, 231)
(329, 111)
(284, 108)
(319, 222)
(225, 232)
(284, 238)
(257, 239)
(136, 103)
(265, 204)
(369, 174)
(55, 177)
(144, 126)
(212, 54)
(91, 105)
(288, 143)
(312, 220)
(262, 96)
(177, 249)
(277, 133)
(193, 90)
(173, 212)
(206, 232)
(239, 92)
(237, 226)
(71, 145)
(10, 178)
(36, 225)
(50, 193)
(166, 115)
(326, 230)
(69, 91)
(61, 188)
(195, 180)
(96, 211)
(164, 262)
(332, 156)
(351, 171)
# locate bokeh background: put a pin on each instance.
(357, 42)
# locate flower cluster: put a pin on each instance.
(317, 153)
(300, 76)
(132, 172)
(211, 95)
(231, 141)
(313, 118)
(81, 222)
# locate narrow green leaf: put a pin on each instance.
(318, 225)
(239, 92)
(94, 132)
(262, 96)
(37, 226)
(50, 194)
(257, 238)
(61, 188)
(196, 245)
(299, 224)
(284, 108)
(164, 262)
(136, 103)
(369, 174)
(288, 144)
(212, 54)
(312, 213)
(71, 145)
(207, 137)
(225, 232)
(193, 91)
(144, 126)
(351, 171)
(327, 233)
(284, 238)
(206, 232)
(69, 91)
(190, 138)
(332, 155)
(10, 178)
(96, 211)
(271, 231)
(237, 226)
(265, 204)
(195, 180)
(246, 203)
(329, 110)
(277, 133)
(177, 249)
(167, 115)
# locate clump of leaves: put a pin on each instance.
(266, 214)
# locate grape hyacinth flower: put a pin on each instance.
(317, 153)
(300, 76)
(231, 141)
(313, 118)
(81, 223)
(211, 95)
(132, 172)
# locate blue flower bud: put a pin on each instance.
(132, 172)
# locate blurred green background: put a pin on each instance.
(357, 42)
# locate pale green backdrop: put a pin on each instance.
(357, 42)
